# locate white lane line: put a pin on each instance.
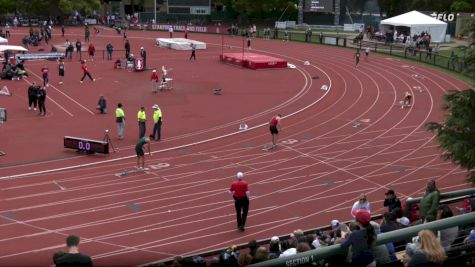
(56, 183)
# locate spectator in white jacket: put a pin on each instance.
(361, 204)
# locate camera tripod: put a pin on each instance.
(109, 140)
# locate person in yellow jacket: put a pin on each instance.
(120, 120)
(142, 119)
(157, 123)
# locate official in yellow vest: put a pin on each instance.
(120, 120)
(142, 119)
(157, 123)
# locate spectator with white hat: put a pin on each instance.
(240, 191)
(335, 224)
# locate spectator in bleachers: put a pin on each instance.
(381, 253)
(391, 201)
(361, 204)
(447, 236)
(296, 235)
(389, 222)
(334, 224)
(470, 239)
(198, 261)
(214, 262)
(244, 259)
(274, 247)
(322, 238)
(230, 257)
(302, 247)
(429, 251)
(177, 261)
(252, 245)
(261, 255)
(430, 201)
(361, 240)
(409, 252)
(403, 222)
(468, 205)
(400, 219)
(336, 236)
(289, 247)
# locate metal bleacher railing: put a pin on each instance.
(393, 236)
(325, 252)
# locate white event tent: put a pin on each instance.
(417, 23)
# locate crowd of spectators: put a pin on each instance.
(358, 239)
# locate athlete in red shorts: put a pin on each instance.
(274, 127)
(407, 99)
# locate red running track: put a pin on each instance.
(181, 206)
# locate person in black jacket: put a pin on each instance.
(143, 54)
(391, 201)
(109, 49)
(78, 46)
(127, 48)
(32, 96)
(41, 101)
(73, 257)
(102, 105)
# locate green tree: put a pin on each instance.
(245, 9)
(468, 51)
(456, 135)
(435, 5)
(7, 6)
(54, 7)
(461, 6)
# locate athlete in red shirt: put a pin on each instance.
(274, 127)
(85, 71)
(44, 72)
(155, 81)
(92, 51)
(240, 191)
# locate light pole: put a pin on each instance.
(300, 12)
(154, 11)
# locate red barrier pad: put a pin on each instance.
(253, 60)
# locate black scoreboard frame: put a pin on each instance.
(89, 146)
(185, 7)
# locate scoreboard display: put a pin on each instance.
(319, 5)
(86, 145)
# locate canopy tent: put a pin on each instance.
(3, 40)
(417, 23)
(12, 48)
